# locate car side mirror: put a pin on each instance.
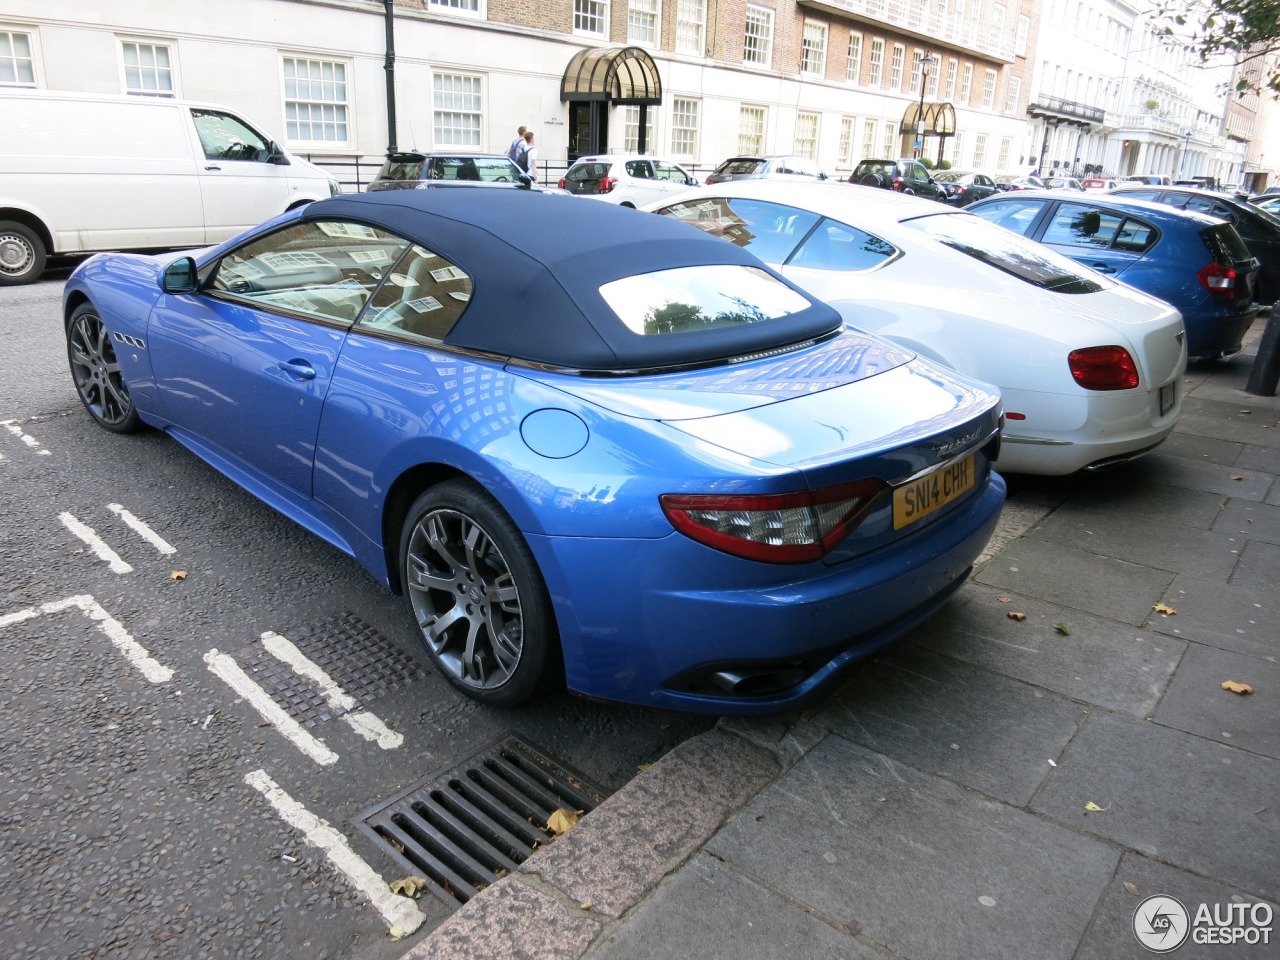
(526, 181)
(690, 181)
(180, 277)
(276, 154)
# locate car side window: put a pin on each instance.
(1015, 215)
(422, 297)
(838, 246)
(325, 269)
(771, 231)
(1141, 194)
(224, 137)
(640, 168)
(1077, 225)
(669, 171)
(1135, 236)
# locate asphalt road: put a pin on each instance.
(148, 807)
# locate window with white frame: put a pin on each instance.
(853, 65)
(949, 90)
(457, 109)
(980, 151)
(813, 49)
(757, 45)
(932, 77)
(1012, 94)
(917, 59)
(807, 135)
(1020, 38)
(17, 63)
(1006, 144)
(751, 130)
(875, 76)
(642, 22)
(895, 66)
(997, 21)
(957, 150)
(691, 24)
(147, 68)
(684, 126)
(966, 83)
(845, 147)
(868, 139)
(591, 17)
(631, 130)
(315, 101)
(988, 88)
(890, 140)
(457, 6)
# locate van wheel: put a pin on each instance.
(22, 254)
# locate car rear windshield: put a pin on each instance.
(587, 171)
(1226, 244)
(708, 297)
(1005, 250)
(740, 166)
(402, 168)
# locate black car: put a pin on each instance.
(963, 186)
(1259, 228)
(904, 175)
(410, 170)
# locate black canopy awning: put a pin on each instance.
(624, 75)
(939, 119)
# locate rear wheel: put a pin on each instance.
(474, 590)
(96, 373)
(22, 254)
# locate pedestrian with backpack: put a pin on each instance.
(517, 145)
(528, 158)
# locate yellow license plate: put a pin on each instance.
(919, 498)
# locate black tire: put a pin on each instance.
(464, 563)
(872, 180)
(22, 254)
(96, 372)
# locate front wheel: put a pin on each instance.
(475, 592)
(96, 372)
(22, 254)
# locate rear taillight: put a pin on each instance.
(897, 183)
(1220, 280)
(561, 183)
(1103, 368)
(606, 184)
(774, 528)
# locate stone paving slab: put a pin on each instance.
(1101, 661)
(1243, 518)
(927, 868)
(1258, 567)
(1197, 703)
(1266, 459)
(711, 912)
(1204, 475)
(1192, 803)
(1230, 617)
(1110, 936)
(1078, 579)
(1194, 447)
(1238, 429)
(1136, 491)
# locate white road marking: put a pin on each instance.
(226, 668)
(30, 441)
(142, 530)
(361, 721)
(134, 652)
(95, 543)
(398, 912)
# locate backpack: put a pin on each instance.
(520, 154)
(513, 151)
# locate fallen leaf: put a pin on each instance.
(409, 887)
(1164, 608)
(1234, 476)
(1092, 807)
(1063, 629)
(1015, 615)
(642, 767)
(396, 933)
(1132, 888)
(397, 844)
(1241, 688)
(585, 906)
(560, 821)
(178, 575)
(1005, 599)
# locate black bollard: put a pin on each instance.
(1266, 365)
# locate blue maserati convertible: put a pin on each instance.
(567, 434)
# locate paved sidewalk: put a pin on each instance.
(990, 787)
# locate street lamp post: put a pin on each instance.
(927, 61)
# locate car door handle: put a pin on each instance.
(212, 166)
(298, 369)
(1103, 267)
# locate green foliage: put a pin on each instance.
(944, 165)
(1244, 31)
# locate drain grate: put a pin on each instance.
(359, 659)
(464, 827)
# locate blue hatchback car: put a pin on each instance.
(1195, 262)
(567, 434)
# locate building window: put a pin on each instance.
(1006, 144)
(757, 47)
(1012, 94)
(875, 77)
(807, 135)
(917, 59)
(988, 88)
(868, 139)
(315, 101)
(751, 130)
(957, 150)
(456, 6)
(932, 75)
(966, 83)
(949, 91)
(846, 140)
(457, 103)
(684, 127)
(813, 49)
(895, 66)
(631, 130)
(17, 65)
(1020, 38)
(890, 140)
(591, 17)
(980, 151)
(642, 22)
(147, 70)
(691, 20)
(853, 66)
(997, 22)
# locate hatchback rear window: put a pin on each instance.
(402, 169)
(1226, 244)
(740, 166)
(587, 171)
(690, 299)
(1005, 250)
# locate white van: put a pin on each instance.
(82, 172)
